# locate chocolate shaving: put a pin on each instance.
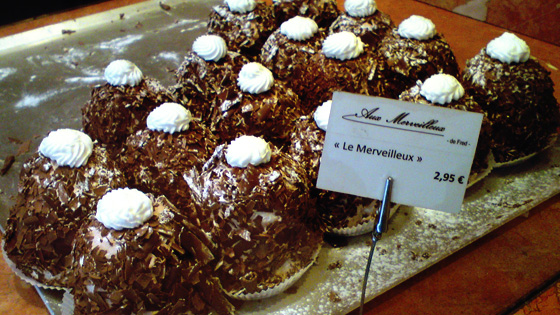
(15, 140)
(164, 6)
(10, 159)
(24, 147)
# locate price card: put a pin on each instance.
(427, 150)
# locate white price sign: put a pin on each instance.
(427, 150)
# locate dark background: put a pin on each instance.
(17, 10)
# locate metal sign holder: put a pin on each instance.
(379, 228)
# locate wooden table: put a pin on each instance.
(491, 276)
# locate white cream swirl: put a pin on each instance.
(299, 28)
(255, 78)
(360, 8)
(508, 48)
(124, 208)
(417, 27)
(170, 118)
(247, 150)
(210, 47)
(321, 115)
(68, 147)
(342, 46)
(442, 89)
(123, 72)
(241, 6)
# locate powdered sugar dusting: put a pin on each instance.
(119, 45)
(6, 72)
(173, 56)
(34, 100)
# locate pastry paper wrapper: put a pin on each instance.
(279, 288)
(22, 276)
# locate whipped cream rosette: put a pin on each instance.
(254, 78)
(253, 201)
(447, 91)
(322, 114)
(413, 51)
(442, 89)
(210, 47)
(417, 27)
(59, 188)
(123, 72)
(517, 94)
(343, 46)
(138, 247)
(299, 28)
(115, 111)
(362, 18)
(247, 150)
(68, 147)
(169, 118)
(508, 48)
(241, 6)
(360, 8)
(124, 208)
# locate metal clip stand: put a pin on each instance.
(379, 228)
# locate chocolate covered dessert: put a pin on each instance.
(446, 91)
(342, 214)
(244, 24)
(138, 255)
(59, 187)
(324, 12)
(205, 69)
(344, 64)
(517, 94)
(414, 51)
(254, 202)
(256, 105)
(155, 159)
(362, 18)
(120, 107)
(288, 51)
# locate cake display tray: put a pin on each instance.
(46, 76)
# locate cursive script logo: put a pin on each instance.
(402, 121)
